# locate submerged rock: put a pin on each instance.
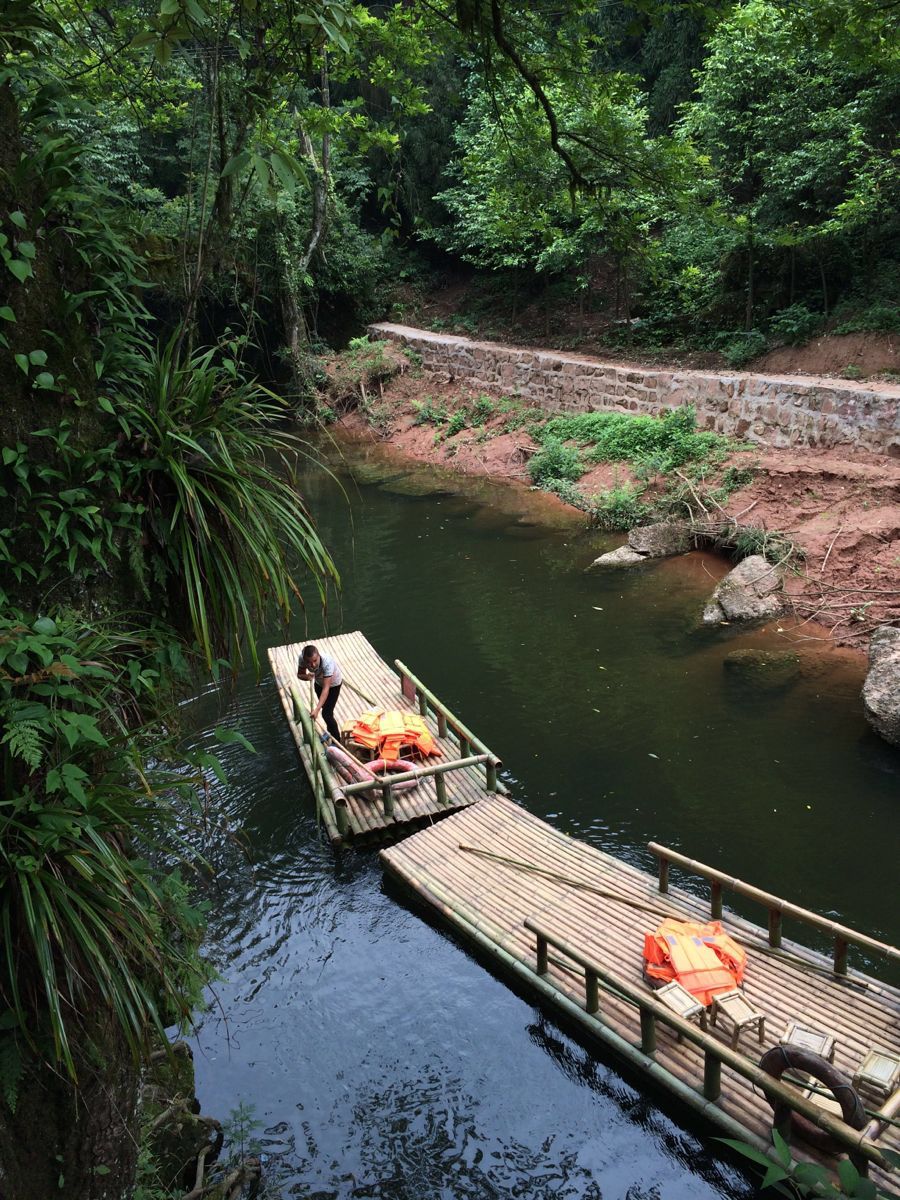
(764, 670)
(751, 592)
(648, 541)
(881, 691)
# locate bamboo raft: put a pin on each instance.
(463, 775)
(567, 921)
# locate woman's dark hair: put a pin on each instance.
(308, 652)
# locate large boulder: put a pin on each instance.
(881, 691)
(660, 540)
(648, 541)
(751, 592)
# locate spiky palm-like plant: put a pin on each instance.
(225, 526)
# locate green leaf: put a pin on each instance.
(26, 249)
(237, 163)
(38, 358)
(20, 268)
(748, 1151)
(7, 314)
(849, 1177)
(782, 1149)
(230, 737)
(45, 380)
(22, 363)
(18, 219)
(106, 404)
(45, 627)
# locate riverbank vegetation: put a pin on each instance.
(197, 196)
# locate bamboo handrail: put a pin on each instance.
(852, 1139)
(462, 732)
(777, 907)
(377, 781)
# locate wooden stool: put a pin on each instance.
(805, 1038)
(740, 1012)
(878, 1072)
(680, 1000)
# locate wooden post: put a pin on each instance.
(591, 992)
(715, 902)
(541, 955)
(648, 1031)
(840, 956)
(663, 875)
(388, 795)
(712, 1076)
(442, 725)
(423, 703)
(341, 815)
(440, 786)
(464, 750)
(490, 770)
(774, 927)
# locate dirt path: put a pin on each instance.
(841, 509)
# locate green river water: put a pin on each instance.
(382, 1060)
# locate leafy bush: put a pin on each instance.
(738, 347)
(457, 423)
(880, 318)
(795, 325)
(658, 443)
(619, 508)
(428, 412)
(555, 461)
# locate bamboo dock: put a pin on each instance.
(463, 775)
(567, 922)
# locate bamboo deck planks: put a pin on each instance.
(365, 670)
(487, 900)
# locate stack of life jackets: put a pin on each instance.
(389, 731)
(703, 958)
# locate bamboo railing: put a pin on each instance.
(715, 1054)
(416, 692)
(777, 908)
(386, 784)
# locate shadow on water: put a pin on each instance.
(381, 1058)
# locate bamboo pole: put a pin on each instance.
(776, 905)
(441, 768)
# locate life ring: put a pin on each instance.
(783, 1058)
(381, 767)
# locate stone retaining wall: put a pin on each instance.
(770, 410)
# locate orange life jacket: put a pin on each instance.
(703, 958)
(389, 731)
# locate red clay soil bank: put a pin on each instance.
(842, 507)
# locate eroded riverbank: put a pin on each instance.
(839, 507)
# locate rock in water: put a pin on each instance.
(660, 540)
(881, 691)
(623, 557)
(648, 541)
(748, 593)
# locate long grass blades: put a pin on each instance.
(224, 516)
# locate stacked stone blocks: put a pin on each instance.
(769, 410)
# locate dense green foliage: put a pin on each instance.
(260, 177)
